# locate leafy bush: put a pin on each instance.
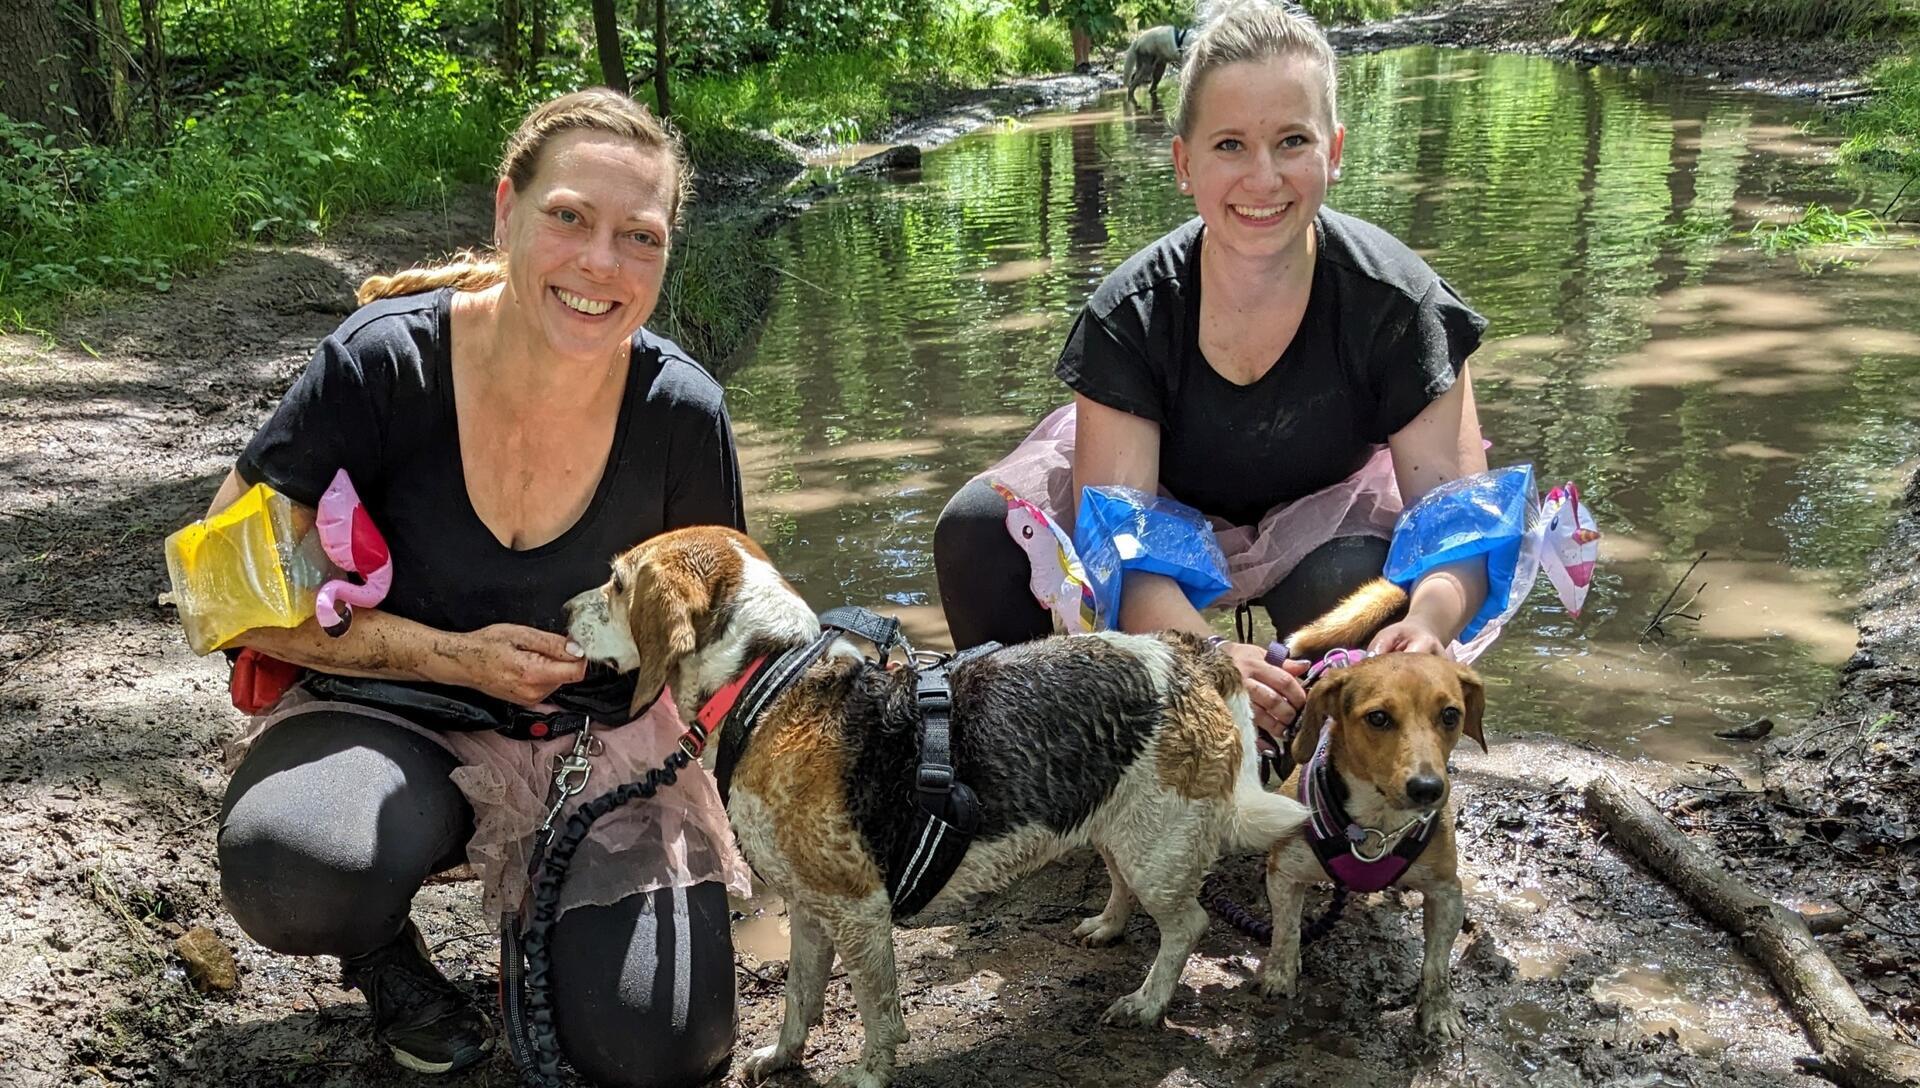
(1680, 20)
(1885, 132)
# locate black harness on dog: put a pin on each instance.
(947, 813)
(1180, 36)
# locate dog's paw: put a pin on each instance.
(764, 1063)
(1098, 932)
(1133, 1010)
(1280, 981)
(1439, 1019)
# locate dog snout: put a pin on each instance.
(1426, 788)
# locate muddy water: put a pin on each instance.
(1707, 397)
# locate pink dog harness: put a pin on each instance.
(1357, 858)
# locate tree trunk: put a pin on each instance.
(30, 37)
(1854, 1052)
(660, 58)
(118, 49)
(510, 37)
(606, 35)
(1082, 46)
(156, 66)
(349, 30)
(777, 14)
(86, 67)
(538, 49)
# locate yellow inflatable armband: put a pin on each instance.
(240, 569)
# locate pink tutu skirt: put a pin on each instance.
(1259, 557)
(679, 838)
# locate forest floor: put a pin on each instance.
(1579, 966)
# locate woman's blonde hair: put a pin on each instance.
(1234, 31)
(597, 109)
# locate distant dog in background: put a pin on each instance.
(1149, 56)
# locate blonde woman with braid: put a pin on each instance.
(1292, 372)
(509, 423)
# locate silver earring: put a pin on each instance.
(1336, 173)
(1186, 186)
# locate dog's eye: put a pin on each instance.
(1450, 716)
(619, 585)
(1379, 719)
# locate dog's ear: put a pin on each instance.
(661, 622)
(1475, 691)
(1323, 702)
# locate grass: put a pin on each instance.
(841, 97)
(261, 160)
(1340, 12)
(1683, 20)
(1885, 132)
(1819, 225)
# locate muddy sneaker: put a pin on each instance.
(426, 1021)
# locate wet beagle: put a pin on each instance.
(1374, 744)
(1141, 746)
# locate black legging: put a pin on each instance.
(983, 575)
(335, 819)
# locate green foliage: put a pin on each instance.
(1340, 12)
(1885, 132)
(1818, 225)
(838, 97)
(255, 159)
(716, 290)
(1682, 20)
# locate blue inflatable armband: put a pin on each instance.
(1489, 514)
(1122, 528)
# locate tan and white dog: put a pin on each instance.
(1141, 746)
(1388, 726)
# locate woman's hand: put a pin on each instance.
(1411, 635)
(522, 665)
(1275, 690)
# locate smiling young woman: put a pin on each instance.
(1267, 352)
(510, 423)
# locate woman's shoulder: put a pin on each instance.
(673, 376)
(1162, 266)
(1360, 250)
(402, 319)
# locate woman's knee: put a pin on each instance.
(643, 989)
(328, 829)
(1328, 573)
(982, 573)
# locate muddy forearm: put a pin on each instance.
(378, 645)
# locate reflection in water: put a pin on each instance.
(1707, 398)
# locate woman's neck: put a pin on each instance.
(513, 355)
(1241, 284)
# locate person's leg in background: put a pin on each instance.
(983, 574)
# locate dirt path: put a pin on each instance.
(1579, 969)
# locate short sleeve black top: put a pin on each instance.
(1382, 337)
(377, 399)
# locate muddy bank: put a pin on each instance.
(1826, 69)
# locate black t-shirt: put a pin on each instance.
(1382, 337)
(377, 399)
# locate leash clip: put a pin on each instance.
(570, 773)
(1388, 839)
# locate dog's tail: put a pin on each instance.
(1352, 622)
(1261, 819)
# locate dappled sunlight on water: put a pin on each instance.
(1707, 397)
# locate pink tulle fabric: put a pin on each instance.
(1040, 470)
(1367, 503)
(679, 838)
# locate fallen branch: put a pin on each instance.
(1854, 1052)
(1664, 613)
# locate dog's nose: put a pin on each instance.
(1425, 789)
